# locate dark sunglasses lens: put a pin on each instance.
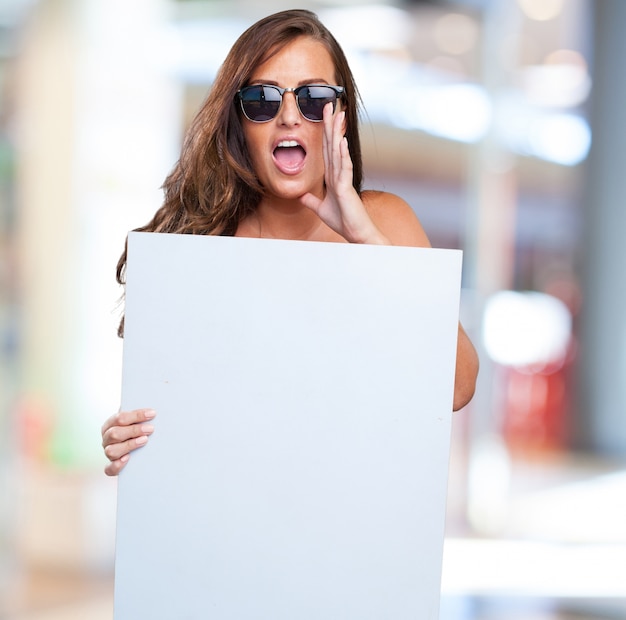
(260, 103)
(312, 99)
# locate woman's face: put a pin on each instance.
(287, 171)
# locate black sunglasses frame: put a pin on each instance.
(338, 90)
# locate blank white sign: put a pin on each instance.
(299, 463)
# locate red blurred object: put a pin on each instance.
(537, 405)
(35, 429)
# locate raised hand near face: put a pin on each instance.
(341, 208)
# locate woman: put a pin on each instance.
(275, 152)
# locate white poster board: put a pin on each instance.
(299, 463)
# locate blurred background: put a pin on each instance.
(500, 121)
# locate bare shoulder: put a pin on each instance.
(395, 218)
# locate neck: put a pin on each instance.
(287, 219)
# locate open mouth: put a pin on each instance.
(289, 155)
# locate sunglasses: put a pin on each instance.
(261, 102)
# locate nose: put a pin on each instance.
(289, 113)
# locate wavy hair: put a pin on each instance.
(213, 186)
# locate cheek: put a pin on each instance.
(253, 144)
(318, 148)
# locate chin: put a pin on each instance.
(291, 192)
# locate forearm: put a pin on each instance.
(466, 371)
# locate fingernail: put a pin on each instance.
(150, 413)
(140, 441)
(124, 458)
(147, 428)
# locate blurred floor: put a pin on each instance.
(54, 596)
(561, 555)
(58, 598)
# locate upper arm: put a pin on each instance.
(395, 219)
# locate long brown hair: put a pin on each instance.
(213, 186)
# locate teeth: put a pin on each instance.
(287, 143)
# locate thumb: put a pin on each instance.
(310, 201)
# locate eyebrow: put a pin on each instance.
(300, 83)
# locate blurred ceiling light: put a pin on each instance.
(556, 85)
(368, 27)
(457, 111)
(455, 33)
(526, 328)
(541, 10)
(562, 138)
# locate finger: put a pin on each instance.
(340, 152)
(311, 201)
(119, 434)
(337, 138)
(115, 451)
(327, 115)
(115, 467)
(347, 167)
(126, 418)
